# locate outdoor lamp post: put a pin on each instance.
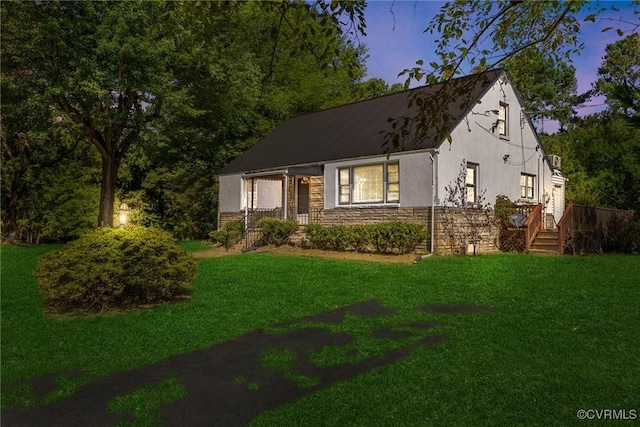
(123, 215)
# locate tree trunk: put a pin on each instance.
(110, 166)
(13, 231)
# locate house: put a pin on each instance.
(332, 166)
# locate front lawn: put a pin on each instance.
(562, 334)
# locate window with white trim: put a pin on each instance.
(527, 182)
(471, 182)
(251, 193)
(369, 184)
(503, 125)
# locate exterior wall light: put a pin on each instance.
(123, 215)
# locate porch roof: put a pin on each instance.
(307, 170)
(354, 130)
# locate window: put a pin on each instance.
(251, 193)
(503, 125)
(526, 185)
(471, 182)
(379, 183)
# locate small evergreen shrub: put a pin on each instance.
(318, 236)
(230, 234)
(111, 268)
(404, 237)
(277, 231)
(392, 237)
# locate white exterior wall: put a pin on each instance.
(233, 194)
(474, 141)
(269, 193)
(230, 193)
(415, 179)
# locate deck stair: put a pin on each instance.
(545, 242)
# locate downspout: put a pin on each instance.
(541, 194)
(216, 180)
(433, 198)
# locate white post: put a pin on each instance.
(433, 199)
(246, 203)
(286, 195)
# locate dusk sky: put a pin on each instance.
(394, 46)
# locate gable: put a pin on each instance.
(353, 130)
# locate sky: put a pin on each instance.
(395, 41)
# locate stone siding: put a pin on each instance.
(316, 193)
(225, 217)
(450, 223)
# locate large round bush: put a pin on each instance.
(110, 267)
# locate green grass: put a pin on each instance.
(563, 336)
(194, 245)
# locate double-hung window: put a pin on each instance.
(369, 184)
(526, 185)
(471, 183)
(503, 125)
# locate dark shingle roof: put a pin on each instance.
(352, 130)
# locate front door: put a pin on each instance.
(303, 196)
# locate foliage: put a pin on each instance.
(619, 77)
(109, 268)
(177, 88)
(465, 222)
(547, 86)
(229, 235)
(601, 159)
(392, 237)
(620, 234)
(277, 231)
(511, 238)
(480, 35)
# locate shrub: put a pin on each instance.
(404, 237)
(620, 234)
(277, 231)
(108, 268)
(230, 234)
(384, 237)
(317, 235)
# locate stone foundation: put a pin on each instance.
(449, 225)
(225, 217)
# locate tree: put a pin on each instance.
(114, 68)
(601, 159)
(548, 88)
(619, 77)
(33, 135)
(259, 81)
(481, 35)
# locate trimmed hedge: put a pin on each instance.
(390, 237)
(277, 231)
(229, 236)
(108, 268)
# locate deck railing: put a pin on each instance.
(564, 225)
(584, 228)
(533, 225)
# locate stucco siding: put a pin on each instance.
(415, 178)
(230, 193)
(269, 194)
(500, 160)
